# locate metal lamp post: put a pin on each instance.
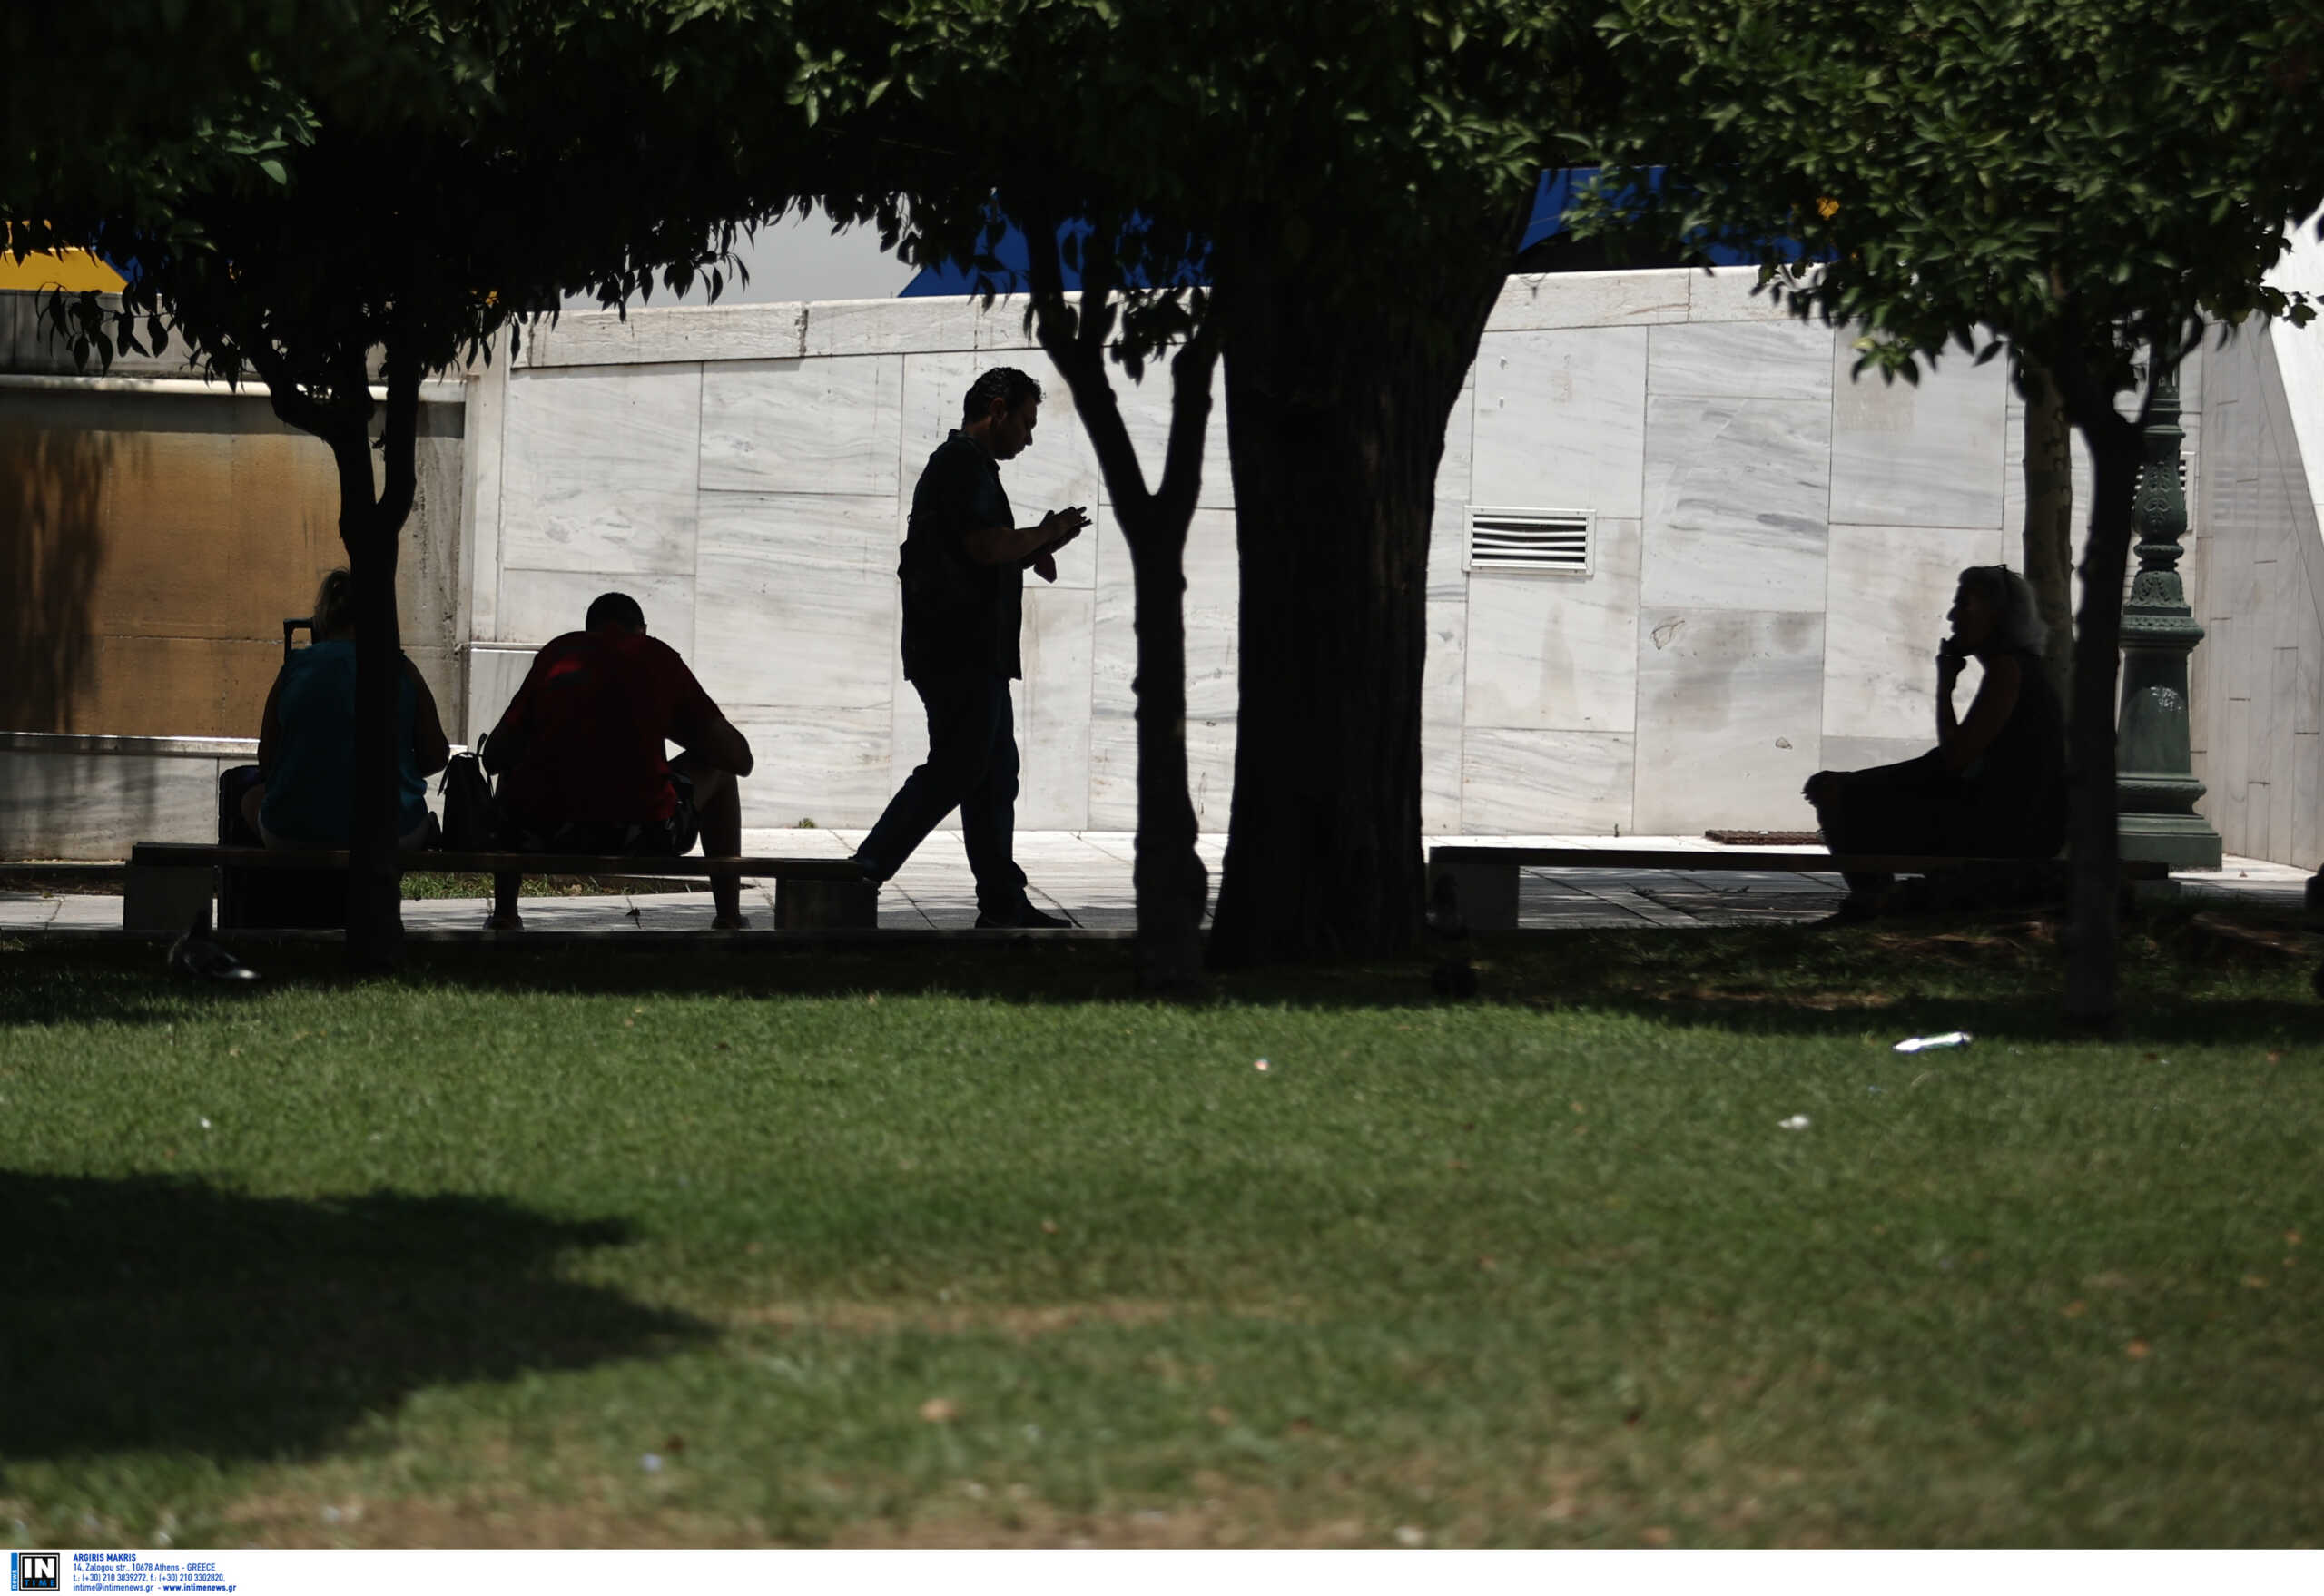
(2155, 785)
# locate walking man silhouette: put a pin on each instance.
(964, 564)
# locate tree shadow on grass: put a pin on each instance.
(150, 1313)
(2207, 973)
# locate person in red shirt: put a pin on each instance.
(579, 753)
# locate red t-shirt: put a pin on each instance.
(587, 730)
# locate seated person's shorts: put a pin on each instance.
(673, 838)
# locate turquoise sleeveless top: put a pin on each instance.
(314, 759)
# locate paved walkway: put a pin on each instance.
(1087, 874)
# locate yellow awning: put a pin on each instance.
(71, 269)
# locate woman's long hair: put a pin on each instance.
(334, 614)
(2020, 626)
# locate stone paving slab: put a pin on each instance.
(1088, 874)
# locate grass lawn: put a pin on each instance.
(968, 1246)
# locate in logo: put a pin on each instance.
(36, 1571)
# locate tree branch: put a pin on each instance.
(1076, 342)
(1190, 390)
(291, 407)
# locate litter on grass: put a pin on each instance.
(1922, 1044)
(1797, 1122)
(651, 1463)
(1259, 1064)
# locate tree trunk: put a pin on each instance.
(2092, 996)
(370, 525)
(1170, 883)
(1336, 411)
(370, 529)
(374, 910)
(2048, 518)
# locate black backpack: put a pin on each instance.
(471, 820)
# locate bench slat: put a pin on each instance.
(1804, 863)
(183, 855)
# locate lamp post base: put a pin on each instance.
(2182, 842)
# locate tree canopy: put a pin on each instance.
(2083, 175)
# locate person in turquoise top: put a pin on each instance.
(305, 746)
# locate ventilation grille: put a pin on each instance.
(1554, 541)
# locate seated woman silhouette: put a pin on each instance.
(305, 746)
(1995, 784)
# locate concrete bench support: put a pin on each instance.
(825, 905)
(1482, 891)
(166, 897)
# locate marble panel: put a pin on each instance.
(1059, 470)
(795, 600)
(2307, 705)
(675, 334)
(821, 426)
(1866, 753)
(94, 806)
(2281, 748)
(600, 472)
(536, 606)
(1785, 359)
(1536, 301)
(1442, 694)
(1729, 718)
(1448, 526)
(1002, 329)
(1561, 421)
(888, 327)
(494, 676)
(2308, 801)
(1146, 416)
(1924, 455)
(487, 467)
(827, 765)
(1891, 589)
(2228, 774)
(1736, 503)
(1731, 293)
(1052, 710)
(1516, 781)
(1113, 774)
(1558, 651)
(1213, 623)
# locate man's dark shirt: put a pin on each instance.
(958, 616)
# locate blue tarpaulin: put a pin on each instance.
(1013, 254)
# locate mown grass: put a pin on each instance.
(902, 1247)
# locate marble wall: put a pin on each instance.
(1775, 549)
(2258, 586)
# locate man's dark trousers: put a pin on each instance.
(971, 765)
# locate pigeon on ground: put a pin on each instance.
(195, 956)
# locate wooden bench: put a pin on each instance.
(169, 884)
(1481, 878)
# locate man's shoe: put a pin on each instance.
(1025, 918)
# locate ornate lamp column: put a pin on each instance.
(2155, 786)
